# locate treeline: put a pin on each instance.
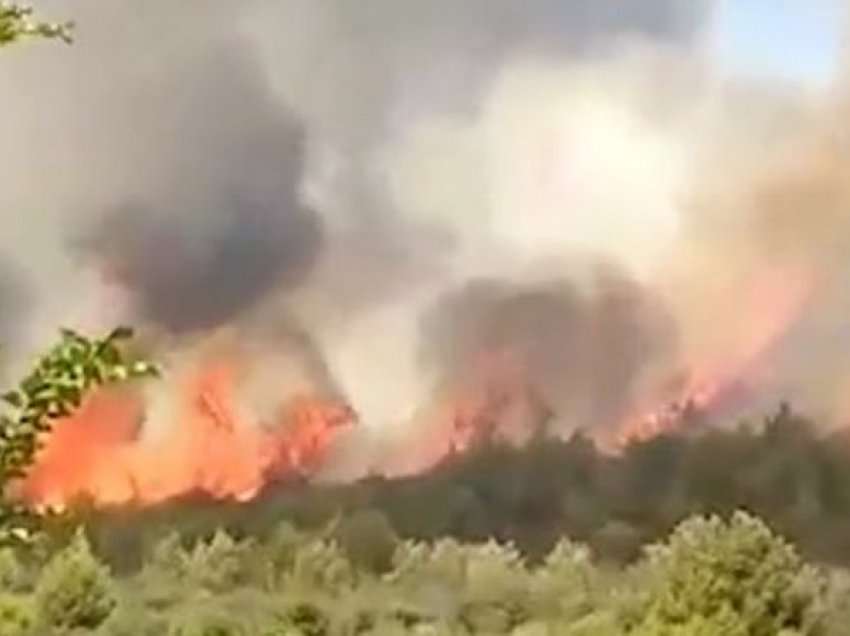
(711, 576)
(783, 472)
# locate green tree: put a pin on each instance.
(17, 22)
(75, 590)
(734, 577)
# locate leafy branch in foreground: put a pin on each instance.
(17, 22)
(55, 387)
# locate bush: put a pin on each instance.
(13, 576)
(732, 578)
(213, 624)
(219, 564)
(485, 586)
(563, 587)
(321, 566)
(280, 550)
(169, 558)
(496, 594)
(133, 619)
(75, 590)
(301, 619)
(17, 616)
(369, 540)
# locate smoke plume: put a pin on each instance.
(584, 352)
(401, 206)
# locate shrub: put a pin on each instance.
(321, 565)
(301, 619)
(484, 586)
(563, 586)
(369, 540)
(75, 590)
(219, 564)
(17, 616)
(280, 550)
(208, 625)
(131, 618)
(169, 558)
(13, 576)
(730, 578)
(496, 595)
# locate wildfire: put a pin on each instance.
(771, 302)
(103, 453)
(118, 450)
(494, 401)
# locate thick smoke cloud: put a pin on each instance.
(345, 168)
(386, 60)
(214, 221)
(188, 145)
(585, 351)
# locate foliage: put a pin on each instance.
(369, 539)
(565, 586)
(533, 496)
(713, 575)
(733, 577)
(321, 565)
(75, 590)
(56, 385)
(12, 574)
(17, 615)
(17, 22)
(218, 564)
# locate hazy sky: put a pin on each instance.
(789, 39)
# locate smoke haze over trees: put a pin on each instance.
(471, 224)
(336, 169)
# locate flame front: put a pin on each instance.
(768, 305)
(102, 453)
(213, 445)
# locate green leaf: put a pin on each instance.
(120, 333)
(14, 398)
(109, 354)
(70, 335)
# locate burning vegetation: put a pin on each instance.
(446, 271)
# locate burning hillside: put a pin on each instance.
(105, 453)
(460, 220)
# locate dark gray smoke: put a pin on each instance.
(177, 134)
(178, 170)
(336, 163)
(221, 224)
(585, 350)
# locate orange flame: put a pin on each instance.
(773, 301)
(494, 402)
(102, 453)
(106, 451)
